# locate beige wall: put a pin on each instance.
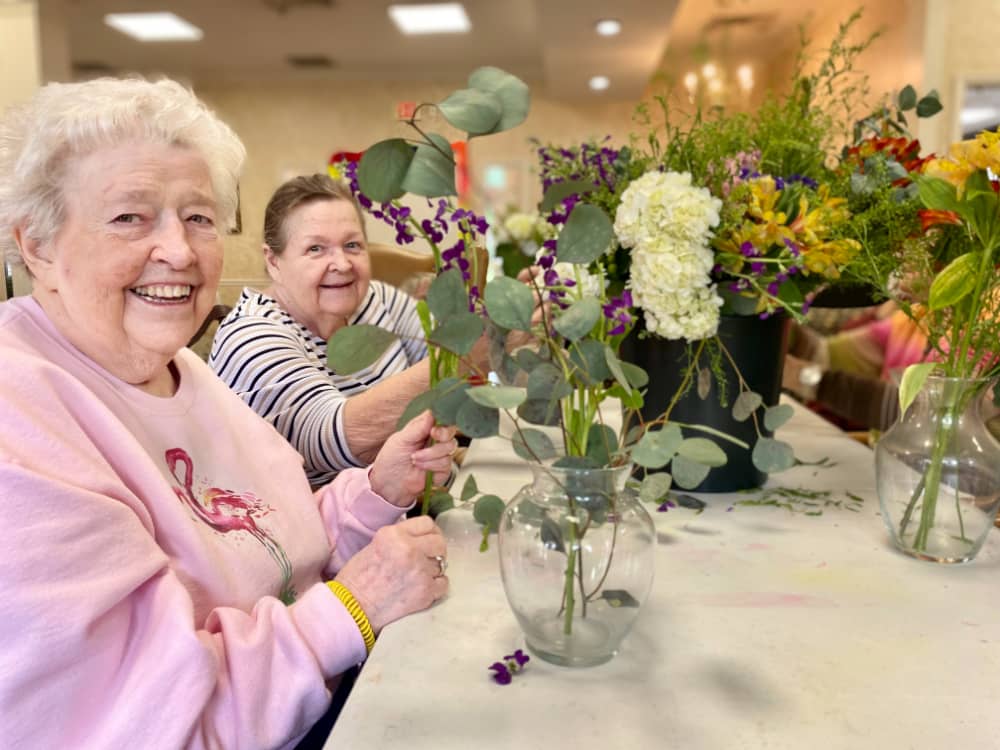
(293, 129)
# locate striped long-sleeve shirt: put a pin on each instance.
(279, 368)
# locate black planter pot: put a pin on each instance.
(847, 295)
(758, 347)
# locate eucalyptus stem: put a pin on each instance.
(569, 599)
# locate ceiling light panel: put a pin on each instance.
(154, 27)
(599, 83)
(436, 18)
(608, 27)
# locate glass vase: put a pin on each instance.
(938, 473)
(576, 557)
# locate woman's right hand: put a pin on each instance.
(397, 573)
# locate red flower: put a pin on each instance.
(930, 217)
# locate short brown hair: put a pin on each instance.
(299, 191)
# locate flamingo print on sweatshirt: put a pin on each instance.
(229, 512)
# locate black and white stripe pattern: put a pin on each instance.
(279, 368)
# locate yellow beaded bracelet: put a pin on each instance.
(341, 592)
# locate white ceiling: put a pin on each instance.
(550, 43)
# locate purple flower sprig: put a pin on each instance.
(504, 671)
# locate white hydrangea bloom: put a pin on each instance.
(675, 293)
(665, 204)
(588, 285)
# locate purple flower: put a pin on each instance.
(757, 267)
(748, 250)
(794, 248)
(772, 288)
(502, 675)
(617, 310)
(666, 505)
(518, 656)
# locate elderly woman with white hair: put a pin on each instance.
(169, 578)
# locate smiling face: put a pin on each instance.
(321, 277)
(133, 270)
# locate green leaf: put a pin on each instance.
(418, 405)
(527, 359)
(912, 383)
(447, 296)
(657, 447)
(929, 106)
(450, 397)
(587, 235)
(688, 474)
(655, 486)
(790, 294)
(702, 451)
(615, 367)
(539, 411)
(578, 319)
(355, 347)
(532, 445)
(954, 281)
(746, 404)
(907, 98)
(383, 167)
(512, 92)
(602, 442)
(488, 510)
(458, 333)
(546, 382)
(560, 190)
(432, 171)
(636, 376)
(476, 421)
(474, 111)
(770, 455)
(589, 361)
(937, 193)
(509, 303)
(469, 489)
(440, 502)
(631, 398)
(498, 396)
(775, 416)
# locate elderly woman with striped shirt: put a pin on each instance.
(271, 349)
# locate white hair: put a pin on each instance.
(39, 141)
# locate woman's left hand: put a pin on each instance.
(399, 468)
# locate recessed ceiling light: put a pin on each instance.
(436, 18)
(154, 27)
(608, 27)
(599, 83)
(709, 70)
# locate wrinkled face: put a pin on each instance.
(322, 275)
(133, 270)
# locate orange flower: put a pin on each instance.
(930, 217)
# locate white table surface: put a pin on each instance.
(764, 629)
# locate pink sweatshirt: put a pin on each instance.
(148, 544)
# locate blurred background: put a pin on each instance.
(301, 80)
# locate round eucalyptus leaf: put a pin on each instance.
(615, 366)
(546, 382)
(702, 451)
(746, 404)
(509, 303)
(654, 486)
(440, 502)
(421, 403)
(476, 421)
(527, 359)
(353, 348)
(488, 510)
(469, 489)
(383, 167)
(450, 397)
(688, 474)
(775, 416)
(476, 112)
(498, 396)
(431, 172)
(458, 333)
(513, 93)
(578, 319)
(446, 295)
(533, 445)
(539, 411)
(587, 235)
(590, 364)
(636, 376)
(602, 443)
(657, 447)
(770, 455)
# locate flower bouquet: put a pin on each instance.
(937, 467)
